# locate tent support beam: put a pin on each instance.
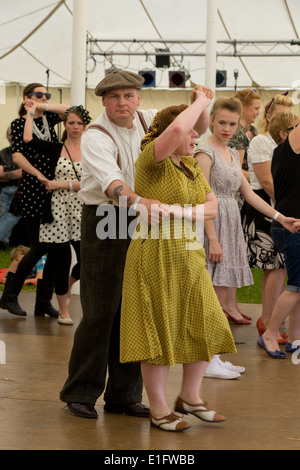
(78, 73)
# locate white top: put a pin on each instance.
(260, 150)
(100, 154)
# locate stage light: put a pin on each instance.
(221, 77)
(149, 77)
(177, 79)
(162, 61)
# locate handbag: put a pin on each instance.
(46, 215)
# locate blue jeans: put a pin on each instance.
(289, 245)
(7, 220)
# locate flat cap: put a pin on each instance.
(119, 79)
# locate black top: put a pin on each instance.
(8, 165)
(285, 170)
(32, 192)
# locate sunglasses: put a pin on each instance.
(292, 127)
(39, 95)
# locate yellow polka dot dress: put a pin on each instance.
(170, 312)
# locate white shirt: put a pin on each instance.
(260, 150)
(99, 157)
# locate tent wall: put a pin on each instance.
(150, 98)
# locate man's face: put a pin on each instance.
(121, 105)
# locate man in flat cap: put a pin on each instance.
(110, 148)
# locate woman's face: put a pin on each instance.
(187, 146)
(224, 124)
(74, 125)
(251, 112)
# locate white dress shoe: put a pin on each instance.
(215, 371)
(65, 321)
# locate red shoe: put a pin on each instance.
(261, 328)
(240, 321)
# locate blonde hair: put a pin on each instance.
(247, 96)
(20, 249)
(270, 108)
(280, 122)
(231, 104)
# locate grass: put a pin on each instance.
(4, 263)
(245, 295)
(251, 294)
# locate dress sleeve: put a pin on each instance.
(17, 129)
(206, 149)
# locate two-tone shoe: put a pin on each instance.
(171, 422)
(201, 411)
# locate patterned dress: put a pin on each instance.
(225, 180)
(170, 312)
(33, 194)
(66, 207)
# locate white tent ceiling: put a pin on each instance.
(36, 37)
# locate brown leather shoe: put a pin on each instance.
(83, 410)
(136, 409)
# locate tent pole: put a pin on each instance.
(211, 44)
(78, 53)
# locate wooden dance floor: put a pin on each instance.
(262, 407)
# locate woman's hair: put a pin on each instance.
(281, 122)
(270, 108)
(161, 121)
(27, 90)
(18, 249)
(231, 104)
(247, 96)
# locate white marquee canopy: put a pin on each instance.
(258, 38)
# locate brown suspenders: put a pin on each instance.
(105, 131)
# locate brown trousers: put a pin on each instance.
(96, 342)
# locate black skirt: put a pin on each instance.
(261, 251)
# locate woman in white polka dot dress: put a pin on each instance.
(62, 212)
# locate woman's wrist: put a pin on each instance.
(276, 216)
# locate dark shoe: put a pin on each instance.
(292, 347)
(43, 306)
(137, 409)
(275, 354)
(9, 299)
(82, 410)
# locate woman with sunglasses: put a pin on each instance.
(32, 195)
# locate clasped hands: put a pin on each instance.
(153, 211)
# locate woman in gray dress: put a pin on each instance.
(224, 239)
